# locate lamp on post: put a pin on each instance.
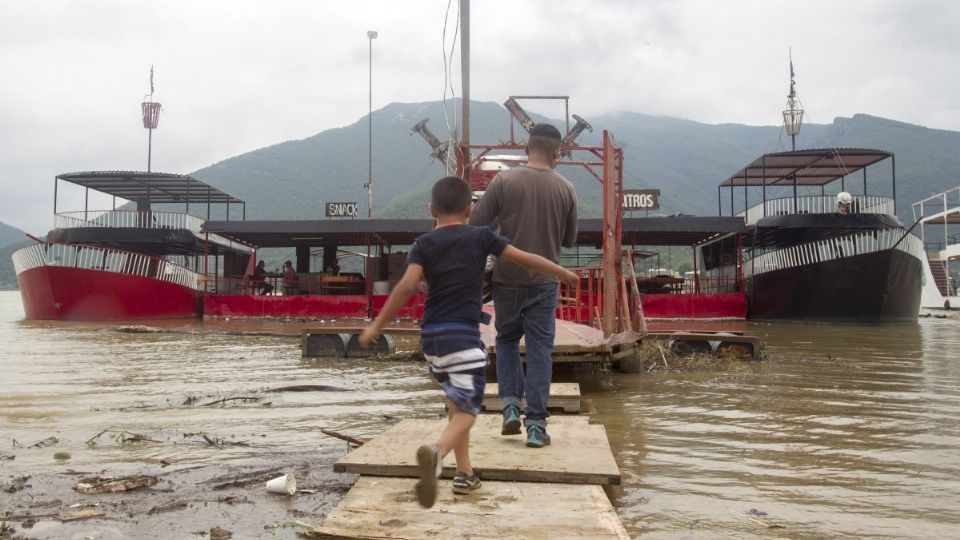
(793, 115)
(371, 35)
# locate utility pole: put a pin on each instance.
(371, 35)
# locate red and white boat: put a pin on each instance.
(125, 264)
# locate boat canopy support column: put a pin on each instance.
(893, 173)
(864, 181)
(55, 182)
(720, 201)
(303, 258)
(763, 181)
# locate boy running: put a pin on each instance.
(452, 259)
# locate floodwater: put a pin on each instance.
(843, 431)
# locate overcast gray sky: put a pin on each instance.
(238, 75)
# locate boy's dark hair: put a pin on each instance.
(544, 139)
(450, 195)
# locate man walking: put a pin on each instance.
(535, 208)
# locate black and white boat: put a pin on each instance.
(837, 257)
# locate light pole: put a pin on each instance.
(371, 35)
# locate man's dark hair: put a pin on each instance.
(450, 195)
(544, 139)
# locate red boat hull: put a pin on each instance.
(337, 306)
(79, 294)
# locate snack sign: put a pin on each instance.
(641, 199)
(342, 209)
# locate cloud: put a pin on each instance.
(236, 76)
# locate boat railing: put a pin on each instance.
(833, 249)
(940, 203)
(128, 219)
(816, 204)
(105, 260)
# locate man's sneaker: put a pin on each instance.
(537, 436)
(463, 484)
(511, 420)
(429, 467)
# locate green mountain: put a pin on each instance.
(687, 160)
(10, 235)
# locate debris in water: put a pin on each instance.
(49, 441)
(121, 436)
(225, 400)
(216, 533)
(350, 439)
(17, 483)
(307, 388)
(7, 457)
(81, 514)
(61, 456)
(109, 484)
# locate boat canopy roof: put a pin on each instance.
(155, 187)
(660, 231)
(813, 167)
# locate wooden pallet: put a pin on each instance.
(579, 453)
(378, 508)
(564, 396)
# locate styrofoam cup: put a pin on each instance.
(283, 484)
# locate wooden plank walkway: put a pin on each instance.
(579, 453)
(565, 396)
(378, 508)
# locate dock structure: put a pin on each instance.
(573, 342)
(563, 481)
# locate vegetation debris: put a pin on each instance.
(109, 484)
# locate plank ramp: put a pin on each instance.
(565, 396)
(378, 508)
(579, 453)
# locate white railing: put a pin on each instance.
(816, 204)
(939, 203)
(127, 219)
(833, 249)
(106, 260)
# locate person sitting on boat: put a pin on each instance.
(290, 278)
(452, 257)
(844, 203)
(260, 279)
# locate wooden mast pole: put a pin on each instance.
(463, 155)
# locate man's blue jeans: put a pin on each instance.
(531, 312)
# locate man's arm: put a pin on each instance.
(539, 264)
(405, 288)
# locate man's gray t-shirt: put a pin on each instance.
(537, 210)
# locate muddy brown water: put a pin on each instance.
(843, 431)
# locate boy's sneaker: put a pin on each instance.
(537, 436)
(463, 484)
(429, 466)
(511, 420)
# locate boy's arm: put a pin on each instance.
(538, 264)
(404, 289)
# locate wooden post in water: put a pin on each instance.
(611, 238)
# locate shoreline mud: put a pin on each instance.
(195, 501)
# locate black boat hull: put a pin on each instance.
(879, 287)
